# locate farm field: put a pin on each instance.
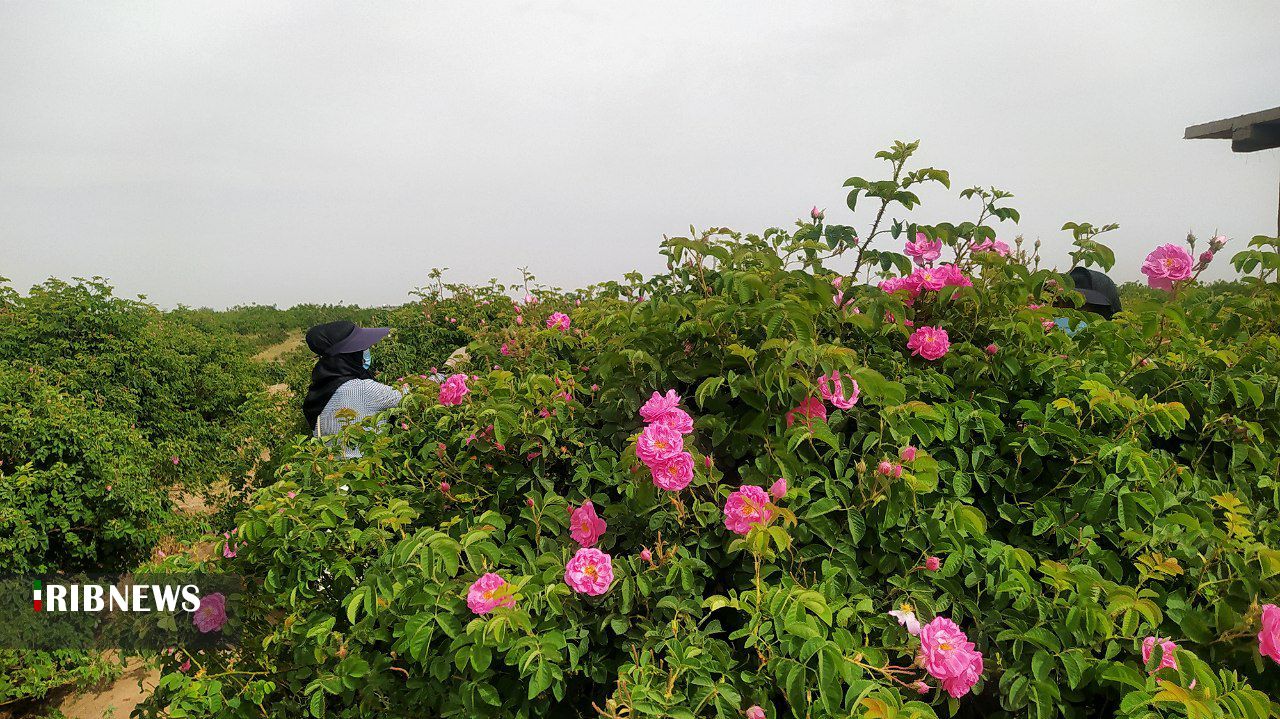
(892, 470)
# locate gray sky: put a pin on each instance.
(232, 152)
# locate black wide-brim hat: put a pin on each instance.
(343, 337)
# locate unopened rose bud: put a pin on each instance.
(992, 348)
(646, 555)
(933, 564)
(885, 467)
(817, 214)
(444, 487)
(907, 453)
(1206, 257)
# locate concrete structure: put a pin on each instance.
(1248, 133)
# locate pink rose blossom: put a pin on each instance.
(927, 278)
(673, 473)
(950, 657)
(488, 593)
(834, 393)
(558, 320)
(658, 442)
(756, 712)
(589, 572)
(996, 246)
(454, 389)
(810, 409)
(778, 489)
(445, 487)
(646, 555)
(885, 467)
(907, 453)
(659, 406)
(291, 495)
(211, 614)
(993, 348)
(930, 343)
(894, 284)
(1269, 635)
(677, 419)
(504, 350)
(185, 666)
(1167, 660)
(1166, 265)
(746, 508)
(923, 251)
(174, 459)
(933, 564)
(952, 276)
(584, 526)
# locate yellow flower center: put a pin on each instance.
(488, 594)
(945, 647)
(590, 571)
(906, 607)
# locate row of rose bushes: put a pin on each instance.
(752, 486)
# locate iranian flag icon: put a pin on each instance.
(38, 602)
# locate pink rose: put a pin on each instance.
(993, 348)
(519, 319)
(907, 454)
(504, 350)
(952, 276)
(746, 508)
(810, 409)
(950, 657)
(454, 389)
(211, 614)
(673, 473)
(174, 459)
(778, 489)
(589, 572)
(1167, 659)
(646, 555)
(488, 593)
(558, 320)
(835, 392)
(996, 246)
(756, 712)
(185, 666)
(927, 278)
(658, 442)
(910, 285)
(445, 487)
(677, 419)
(816, 214)
(1269, 635)
(932, 564)
(659, 405)
(885, 467)
(584, 526)
(1206, 257)
(1166, 265)
(930, 343)
(924, 251)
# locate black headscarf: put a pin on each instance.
(331, 371)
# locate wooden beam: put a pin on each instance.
(1252, 138)
(1223, 129)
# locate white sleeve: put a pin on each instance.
(380, 396)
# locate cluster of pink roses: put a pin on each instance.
(926, 278)
(661, 444)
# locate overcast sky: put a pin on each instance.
(233, 152)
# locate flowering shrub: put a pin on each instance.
(984, 533)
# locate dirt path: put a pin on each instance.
(115, 700)
(276, 352)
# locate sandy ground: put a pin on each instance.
(115, 700)
(276, 351)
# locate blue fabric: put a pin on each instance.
(1065, 324)
(367, 359)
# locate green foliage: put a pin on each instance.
(1084, 492)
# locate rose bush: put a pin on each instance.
(1063, 499)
